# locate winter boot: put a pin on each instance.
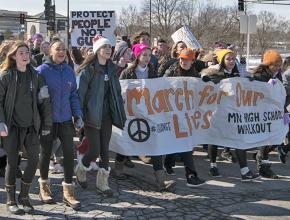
(102, 182)
(23, 197)
(45, 194)
(11, 204)
(81, 174)
(118, 171)
(162, 183)
(69, 197)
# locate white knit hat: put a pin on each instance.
(99, 41)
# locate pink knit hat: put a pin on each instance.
(138, 48)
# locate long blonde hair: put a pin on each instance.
(9, 60)
(4, 48)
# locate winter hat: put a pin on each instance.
(187, 54)
(272, 57)
(222, 53)
(120, 49)
(138, 48)
(99, 41)
(37, 36)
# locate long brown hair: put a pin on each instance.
(4, 48)
(89, 59)
(174, 49)
(9, 60)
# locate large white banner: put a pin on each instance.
(86, 24)
(169, 115)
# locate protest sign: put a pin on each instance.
(86, 24)
(169, 115)
(185, 35)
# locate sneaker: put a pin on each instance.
(227, 155)
(169, 171)
(266, 171)
(194, 181)
(129, 163)
(282, 155)
(214, 172)
(250, 176)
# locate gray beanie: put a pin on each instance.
(120, 49)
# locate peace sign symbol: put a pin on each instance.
(136, 130)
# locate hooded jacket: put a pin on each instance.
(8, 86)
(62, 88)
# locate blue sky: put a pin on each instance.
(36, 6)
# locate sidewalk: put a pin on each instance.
(135, 198)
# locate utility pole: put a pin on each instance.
(150, 20)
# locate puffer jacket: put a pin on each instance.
(62, 88)
(175, 71)
(214, 74)
(8, 85)
(263, 74)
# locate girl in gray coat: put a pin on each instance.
(102, 105)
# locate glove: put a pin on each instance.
(45, 132)
(3, 129)
(272, 81)
(286, 118)
(43, 93)
(79, 124)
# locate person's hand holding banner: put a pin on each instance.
(286, 118)
(3, 129)
(272, 82)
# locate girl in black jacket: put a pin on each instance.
(185, 68)
(268, 71)
(24, 111)
(226, 68)
(142, 69)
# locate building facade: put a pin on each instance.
(10, 23)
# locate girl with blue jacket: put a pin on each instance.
(62, 88)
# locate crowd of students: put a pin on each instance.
(48, 94)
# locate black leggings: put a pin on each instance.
(169, 160)
(98, 141)
(241, 155)
(18, 137)
(64, 131)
